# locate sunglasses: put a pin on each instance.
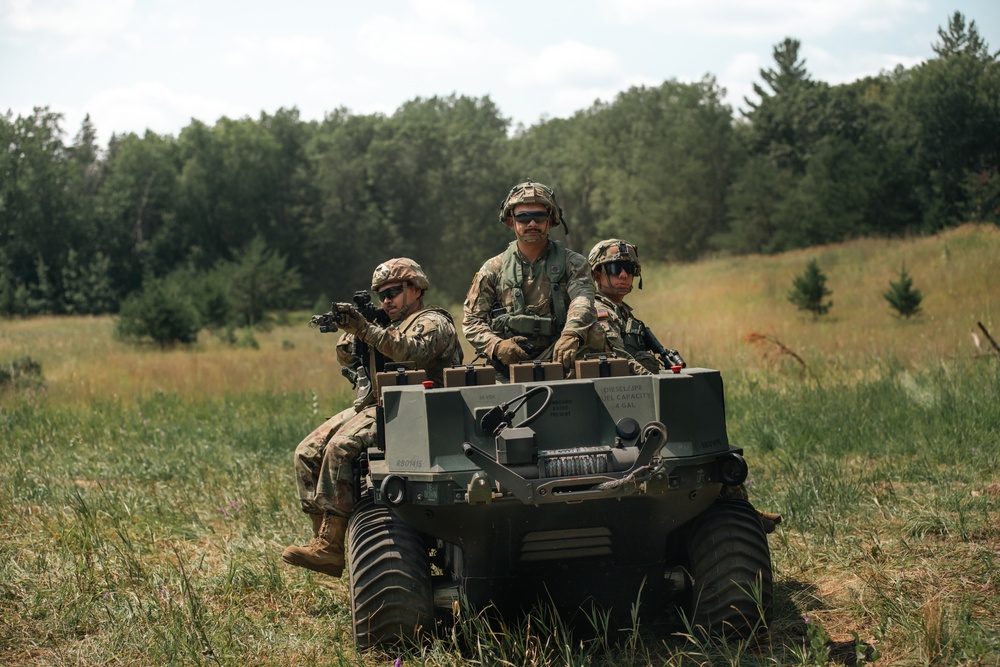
(390, 293)
(615, 268)
(528, 216)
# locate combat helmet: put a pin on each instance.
(531, 192)
(615, 250)
(399, 269)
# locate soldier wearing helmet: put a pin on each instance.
(424, 335)
(615, 264)
(535, 300)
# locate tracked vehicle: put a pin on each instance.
(604, 491)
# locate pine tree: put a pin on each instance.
(901, 295)
(809, 289)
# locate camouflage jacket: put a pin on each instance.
(489, 297)
(623, 333)
(427, 338)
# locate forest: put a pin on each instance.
(289, 212)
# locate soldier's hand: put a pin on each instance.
(509, 351)
(351, 320)
(564, 351)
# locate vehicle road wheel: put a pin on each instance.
(391, 599)
(730, 566)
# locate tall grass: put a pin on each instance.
(705, 310)
(145, 496)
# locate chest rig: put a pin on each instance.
(519, 319)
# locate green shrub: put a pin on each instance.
(901, 295)
(21, 373)
(809, 289)
(163, 312)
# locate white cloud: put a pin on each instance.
(297, 52)
(565, 101)
(150, 105)
(565, 64)
(440, 36)
(359, 94)
(757, 18)
(459, 15)
(81, 26)
(855, 66)
(738, 76)
(415, 45)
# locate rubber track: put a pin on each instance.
(728, 554)
(391, 598)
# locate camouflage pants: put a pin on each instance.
(323, 461)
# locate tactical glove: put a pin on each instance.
(509, 351)
(564, 351)
(351, 320)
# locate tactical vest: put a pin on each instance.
(437, 370)
(632, 333)
(376, 362)
(633, 336)
(519, 320)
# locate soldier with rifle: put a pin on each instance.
(615, 264)
(403, 330)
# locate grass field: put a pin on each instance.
(145, 496)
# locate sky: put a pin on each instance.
(135, 65)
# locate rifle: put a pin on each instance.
(669, 358)
(337, 317)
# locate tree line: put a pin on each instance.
(249, 214)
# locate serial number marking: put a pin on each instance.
(408, 463)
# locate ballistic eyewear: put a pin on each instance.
(524, 217)
(615, 268)
(390, 293)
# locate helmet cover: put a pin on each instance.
(615, 250)
(400, 269)
(531, 192)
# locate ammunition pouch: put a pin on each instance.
(531, 326)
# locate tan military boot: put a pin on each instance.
(769, 520)
(326, 551)
(317, 520)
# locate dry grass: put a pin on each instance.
(711, 311)
(894, 538)
(82, 361)
(707, 309)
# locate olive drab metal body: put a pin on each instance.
(579, 493)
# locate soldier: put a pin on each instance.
(535, 300)
(422, 334)
(615, 264)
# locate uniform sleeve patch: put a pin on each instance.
(602, 313)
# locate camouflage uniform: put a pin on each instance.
(488, 290)
(548, 302)
(623, 333)
(323, 460)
